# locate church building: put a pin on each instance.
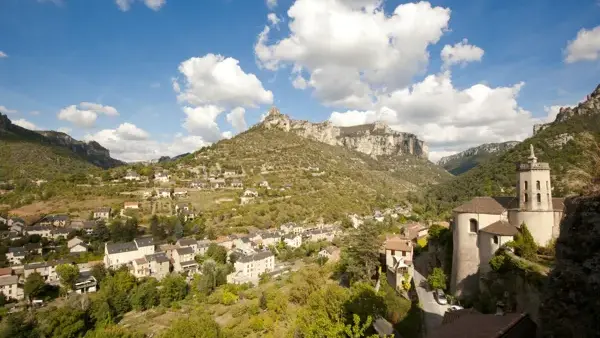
(482, 225)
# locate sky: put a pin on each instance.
(148, 78)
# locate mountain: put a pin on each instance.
(309, 179)
(466, 160)
(163, 159)
(45, 154)
(374, 139)
(570, 144)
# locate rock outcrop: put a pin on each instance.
(92, 151)
(375, 139)
(466, 160)
(571, 302)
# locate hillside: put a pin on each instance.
(466, 160)
(570, 145)
(318, 180)
(47, 154)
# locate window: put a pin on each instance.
(525, 185)
(537, 185)
(539, 198)
(495, 239)
(403, 253)
(473, 226)
(526, 198)
(393, 252)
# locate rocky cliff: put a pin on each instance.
(91, 151)
(588, 107)
(571, 302)
(375, 139)
(466, 160)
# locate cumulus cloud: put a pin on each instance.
(271, 4)
(7, 111)
(86, 114)
(123, 147)
(125, 5)
(128, 131)
(201, 121)
(214, 79)
(447, 118)
(351, 49)
(3, 55)
(585, 47)
(461, 53)
(237, 119)
(26, 124)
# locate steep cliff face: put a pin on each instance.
(571, 302)
(375, 139)
(466, 160)
(91, 151)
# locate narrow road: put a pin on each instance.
(432, 311)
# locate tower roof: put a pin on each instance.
(502, 228)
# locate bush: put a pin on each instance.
(437, 279)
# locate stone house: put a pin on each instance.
(102, 213)
(293, 240)
(270, 238)
(9, 287)
(199, 185)
(248, 268)
(237, 184)
(217, 183)
(58, 220)
(118, 254)
(132, 176)
(316, 235)
(85, 226)
(16, 255)
(77, 245)
(140, 267)
(41, 230)
(179, 192)
(292, 228)
(244, 244)
(188, 242)
(163, 193)
(183, 260)
(398, 259)
(484, 224)
(131, 205)
(46, 269)
(162, 177)
(60, 233)
(159, 265)
(414, 231)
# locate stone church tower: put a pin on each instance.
(484, 224)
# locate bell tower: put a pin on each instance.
(533, 185)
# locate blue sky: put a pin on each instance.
(61, 53)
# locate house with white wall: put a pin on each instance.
(248, 268)
(118, 254)
(183, 260)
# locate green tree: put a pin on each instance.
(217, 253)
(145, 295)
(68, 275)
(365, 302)
(361, 255)
(357, 330)
(113, 331)
(156, 228)
(174, 288)
(524, 243)
(198, 325)
(437, 279)
(406, 282)
(62, 322)
(19, 325)
(323, 315)
(99, 272)
(34, 286)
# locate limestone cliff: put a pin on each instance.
(464, 161)
(375, 139)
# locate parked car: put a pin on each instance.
(440, 296)
(454, 308)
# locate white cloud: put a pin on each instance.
(86, 114)
(449, 119)
(351, 49)
(125, 5)
(237, 119)
(552, 112)
(7, 111)
(214, 79)
(3, 55)
(271, 4)
(585, 47)
(65, 130)
(99, 109)
(227, 134)
(201, 121)
(79, 117)
(273, 19)
(131, 150)
(461, 53)
(26, 124)
(128, 131)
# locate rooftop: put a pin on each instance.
(159, 257)
(501, 228)
(113, 248)
(144, 241)
(398, 243)
(187, 242)
(9, 280)
(255, 257)
(486, 205)
(185, 251)
(470, 323)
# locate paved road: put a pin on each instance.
(433, 311)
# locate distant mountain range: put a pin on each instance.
(466, 160)
(45, 154)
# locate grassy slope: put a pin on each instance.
(497, 176)
(352, 181)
